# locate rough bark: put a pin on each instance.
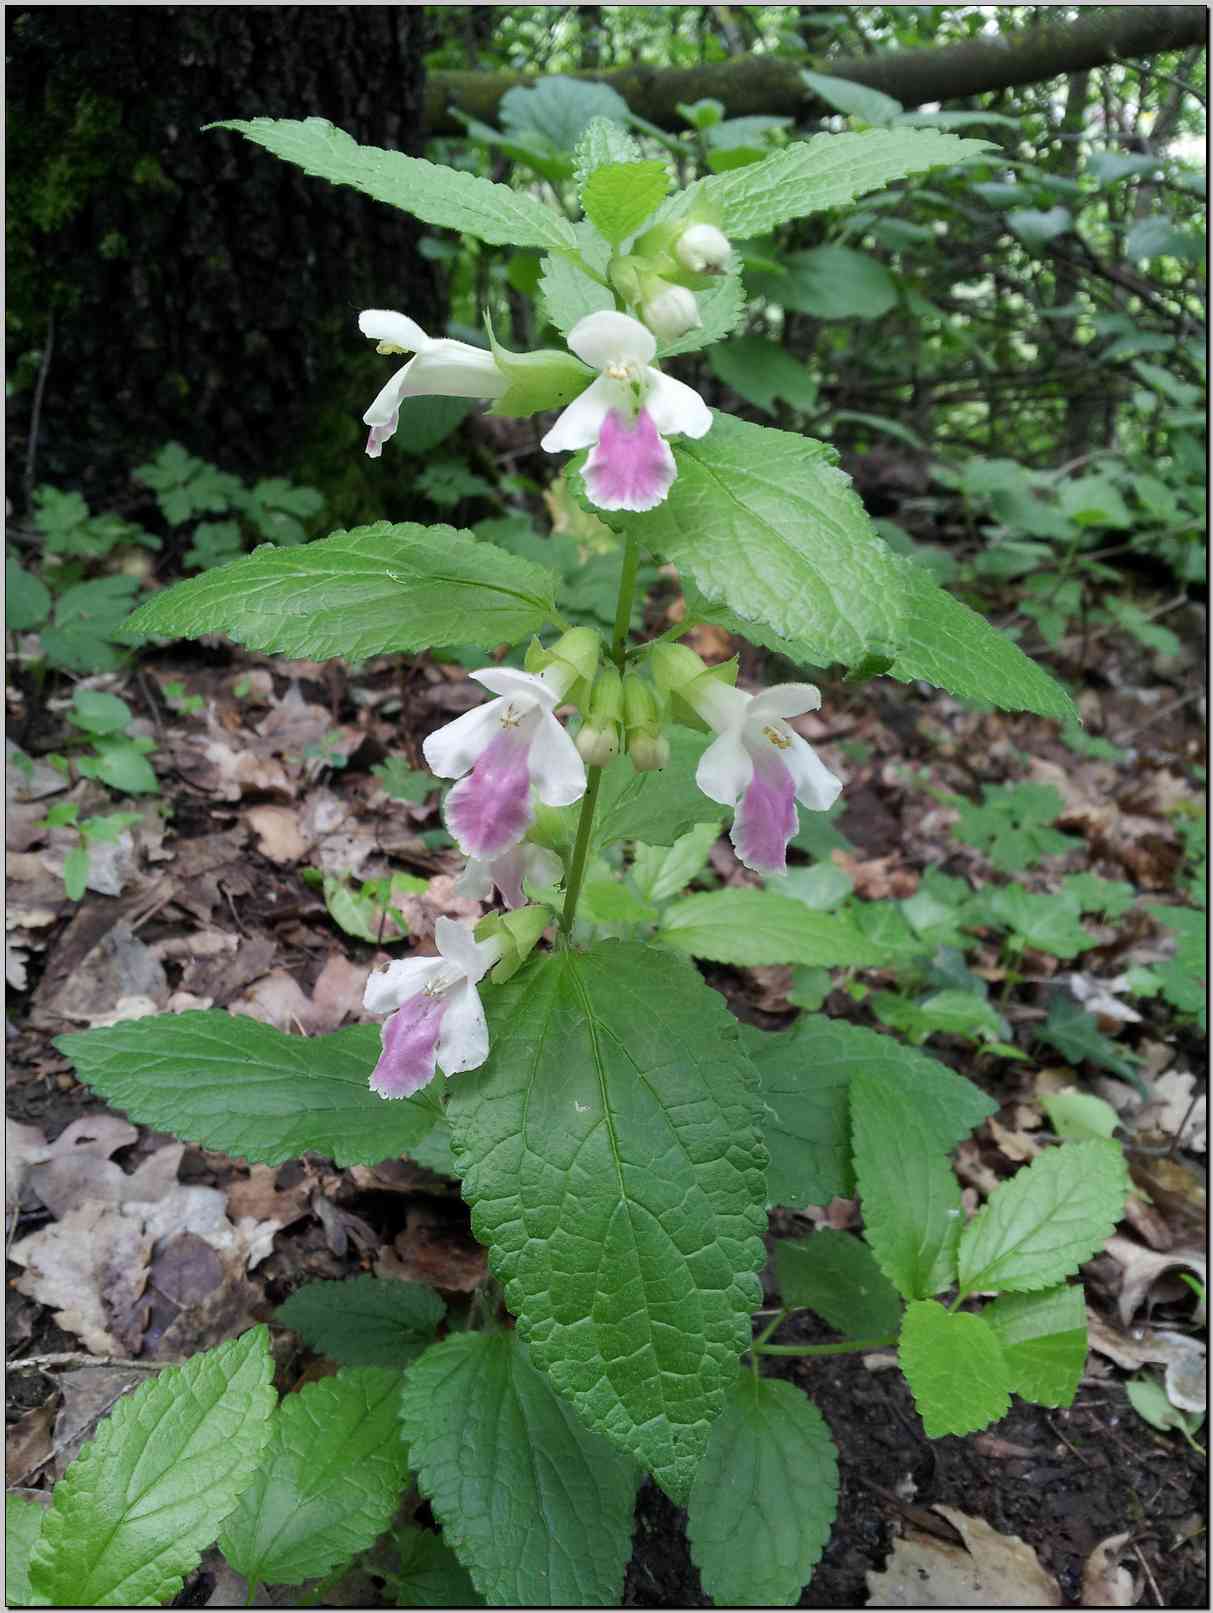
(200, 289)
(765, 84)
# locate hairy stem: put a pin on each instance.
(846, 1347)
(623, 607)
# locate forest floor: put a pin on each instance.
(265, 771)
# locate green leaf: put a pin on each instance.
(364, 1321)
(657, 808)
(603, 142)
(760, 370)
(22, 1529)
(823, 887)
(836, 1275)
(827, 171)
(611, 1154)
(721, 309)
(1010, 826)
(1076, 1035)
(327, 1484)
(75, 872)
(763, 522)
(1091, 894)
(618, 197)
(1044, 1342)
(249, 1090)
(99, 713)
(568, 293)
(1078, 1116)
(746, 926)
(954, 1365)
(430, 1575)
(402, 782)
(855, 100)
(1184, 977)
(1038, 1227)
(806, 1074)
(137, 1507)
(1035, 228)
(86, 618)
(764, 1499)
(1040, 921)
(831, 282)
(659, 872)
(945, 643)
(536, 1507)
(1158, 238)
(449, 198)
(371, 591)
(911, 1198)
(27, 601)
(560, 110)
(1149, 1399)
(124, 767)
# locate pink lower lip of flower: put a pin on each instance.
(630, 467)
(766, 820)
(378, 435)
(489, 810)
(410, 1047)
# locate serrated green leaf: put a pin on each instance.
(247, 1089)
(945, 643)
(619, 196)
(1044, 1342)
(763, 522)
(22, 1529)
(760, 1512)
(1039, 1226)
(827, 171)
(721, 309)
(836, 1275)
(1040, 920)
(602, 142)
(611, 1153)
(328, 1481)
(568, 293)
(371, 591)
(1109, 897)
(659, 872)
(1010, 826)
(1076, 1035)
(135, 1510)
(761, 370)
(806, 1074)
(955, 1368)
(364, 1321)
(449, 198)
(536, 1507)
(1184, 977)
(911, 1198)
(747, 926)
(658, 807)
(27, 600)
(430, 1575)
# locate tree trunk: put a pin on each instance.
(200, 289)
(768, 84)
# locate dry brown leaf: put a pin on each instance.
(1016, 1145)
(879, 878)
(276, 999)
(434, 1249)
(90, 1268)
(27, 1442)
(1141, 1268)
(119, 965)
(990, 1570)
(89, 1393)
(1104, 1582)
(258, 1195)
(1172, 1104)
(337, 994)
(279, 836)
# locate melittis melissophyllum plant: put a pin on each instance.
(618, 1135)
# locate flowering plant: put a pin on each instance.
(617, 1134)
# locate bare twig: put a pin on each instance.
(1137, 1552)
(81, 1358)
(35, 419)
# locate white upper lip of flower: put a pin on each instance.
(442, 366)
(462, 962)
(622, 350)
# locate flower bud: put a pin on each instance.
(648, 753)
(516, 933)
(648, 748)
(599, 738)
(598, 743)
(669, 311)
(703, 249)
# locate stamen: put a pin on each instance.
(388, 349)
(440, 984)
(621, 371)
(780, 741)
(509, 719)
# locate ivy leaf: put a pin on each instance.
(364, 1321)
(619, 196)
(1039, 1226)
(371, 591)
(1011, 825)
(1076, 1035)
(1184, 977)
(746, 926)
(836, 1275)
(447, 197)
(806, 1074)
(764, 1500)
(911, 1198)
(536, 1507)
(22, 1528)
(1039, 919)
(1044, 1342)
(246, 1089)
(327, 1484)
(955, 1368)
(430, 1575)
(611, 1154)
(178, 1451)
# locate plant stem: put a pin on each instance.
(846, 1347)
(619, 642)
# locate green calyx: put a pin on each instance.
(575, 654)
(599, 740)
(518, 933)
(544, 380)
(644, 709)
(677, 670)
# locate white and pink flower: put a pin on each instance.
(500, 752)
(760, 766)
(441, 367)
(506, 874)
(436, 1017)
(625, 415)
